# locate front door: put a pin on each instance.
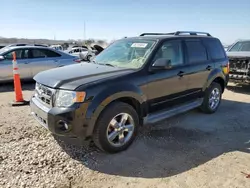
(6, 65)
(168, 88)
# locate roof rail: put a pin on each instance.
(192, 33)
(178, 33)
(144, 34)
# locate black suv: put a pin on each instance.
(135, 81)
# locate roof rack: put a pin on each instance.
(22, 44)
(178, 33)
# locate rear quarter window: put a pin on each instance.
(215, 49)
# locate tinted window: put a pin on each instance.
(36, 53)
(18, 54)
(42, 53)
(50, 53)
(215, 48)
(196, 51)
(171, 50)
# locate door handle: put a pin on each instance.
(26, 62)
(209, 68)
(55, 61)
(180, 74)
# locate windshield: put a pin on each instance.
(243, 46)
(4, 49)
(126, 53)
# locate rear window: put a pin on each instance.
(215, 48)
(196, 51)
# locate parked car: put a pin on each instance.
(82, 53)
(239, 58)
(135, 81)
(57, 47)
(77, 50)
(31, 60)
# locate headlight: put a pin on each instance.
(67, 98)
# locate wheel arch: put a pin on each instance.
(218, 77)
(132, 97)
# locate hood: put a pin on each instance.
(238, 54)
(72, 76)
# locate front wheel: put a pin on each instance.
(212, 98)
(116, 128)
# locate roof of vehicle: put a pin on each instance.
(177, 34)
(4, 50)
(28, 46)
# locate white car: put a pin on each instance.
(82, 53)
(57, 47)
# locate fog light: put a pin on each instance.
(63, 125)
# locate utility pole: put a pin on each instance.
(84, 34)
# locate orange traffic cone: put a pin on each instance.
(17, 85)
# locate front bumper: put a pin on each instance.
(241, 79)
(55, 118)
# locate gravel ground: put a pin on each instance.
(189, 150)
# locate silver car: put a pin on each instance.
(32, 60)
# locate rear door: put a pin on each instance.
(6, 67)
(38, 61)
(53, 58)
(216, 52)
(199, 66)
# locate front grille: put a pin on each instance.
(240, 66)
(44, 94)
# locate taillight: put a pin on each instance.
(77, 60)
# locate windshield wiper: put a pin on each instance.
(108, 64)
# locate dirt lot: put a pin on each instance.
(190, 150)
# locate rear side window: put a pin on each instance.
(36, 53)
(215, 49)
(42, 53)
(50, 53)
(196, 51)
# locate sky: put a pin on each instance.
(113, 19)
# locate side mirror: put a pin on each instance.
(162, 63)
(1, 58)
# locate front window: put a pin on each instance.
(9, 55)
(243, 46)
(126, 53)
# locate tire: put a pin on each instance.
(103, 128)
(206, 105)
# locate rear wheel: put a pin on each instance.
(212, 98)
(116, 128)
